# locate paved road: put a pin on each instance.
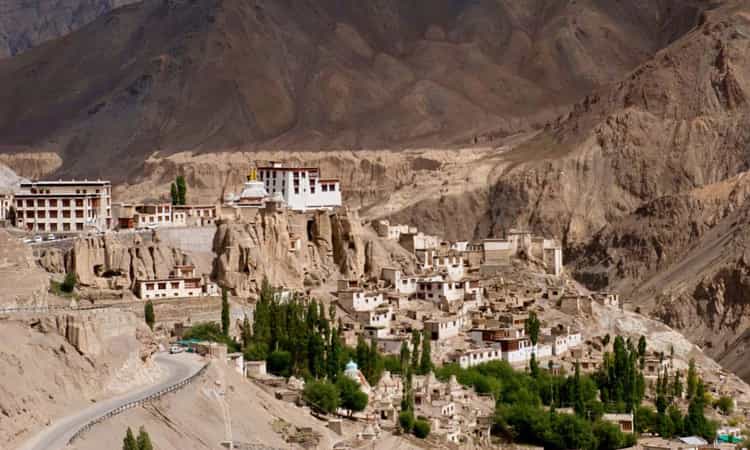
(57, 435)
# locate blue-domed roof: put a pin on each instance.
(351, 365)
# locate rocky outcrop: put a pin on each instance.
(296, 250)
(22, 282)
(115, 262)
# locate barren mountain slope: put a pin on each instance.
(25, 24)
(215, 75)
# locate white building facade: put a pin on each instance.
(64, 206)
(302, 188)
(357, 300)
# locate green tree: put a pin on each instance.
(246, 333)
(333, 363)
(642, 351)
(404, 357)
(677, 386)
(69, 283)
(129, 442)
(352, 397)
(224, 312)
(421, 428)
(144, 440)
(181, 190)
(416, 338)
(406, 420)
(692, 380)
(695, 421)
(425, 364)
(533, 366)
(148, 312)
(175, 196)
(532, 326)
(280, 363)
(255, 351)
(322, 395)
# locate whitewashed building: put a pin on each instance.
(181, 283)
(64, 206)
(444, 327)
(355, 300)
(378, 317)
(473, 357)
(302, 188)
(6, 202)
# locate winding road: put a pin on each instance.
(56, 436)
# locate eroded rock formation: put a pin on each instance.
(298, 250)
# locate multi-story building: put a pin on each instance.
(302, 188)
(356, 300)
(474, 357)
(64, 206)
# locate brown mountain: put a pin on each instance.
(210, 75)
(26, 24)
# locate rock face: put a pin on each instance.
(24, 25)
(23, 282)
(333, 75)
(115, 262)
(295, 250)
(57, 363)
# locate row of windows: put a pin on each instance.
(53, 227)
(47, 191)
(51, 202)
(54, 214)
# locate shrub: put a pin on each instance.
(148, 312)
(69, 283)
(421, 428)
(406, 421)
(725, 405)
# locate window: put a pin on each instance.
(66, 214)
(42, 214)
(66, 226)
(324, 187)
(53, 202)
(79, 214)
(79, 227)
(79, 202)
(296, 189)
(29, 214)
(66, 203)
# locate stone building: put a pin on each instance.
(302, 188)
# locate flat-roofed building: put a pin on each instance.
(6, 202)
(182, 282)
(476, 356)
(355, 300)
(64, 206)
(302, 188)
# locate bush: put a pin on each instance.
(725, 405)
(211, 331)
(148, 312)
(256, 351)
(421, 428)
(406, 421)
(280, 363)
(69, 284)
(321, 395)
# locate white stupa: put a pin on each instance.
(253, 193)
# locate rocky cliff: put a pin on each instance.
(57, 363)
(299, 250)
(22, 282)
(114, 261)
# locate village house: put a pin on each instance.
(444, 327)
(473, 357)
(378, 317)
(575, 305)
(608, 299)
(624, 421)
(357, 299)
(391, 232)
(182, 282)
(64, 206)
(418, 241)
(563, 342)
(197, 215)
(302, 188)
(437, 290)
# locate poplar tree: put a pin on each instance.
(532, 326)
(642, 351)
(144, 440)
(224, 312)
(246, 334)
(415, 340)
(148, 312)
(129, 442)
(425, 364)
(174, 194)
(692, 380)
(181, 190)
